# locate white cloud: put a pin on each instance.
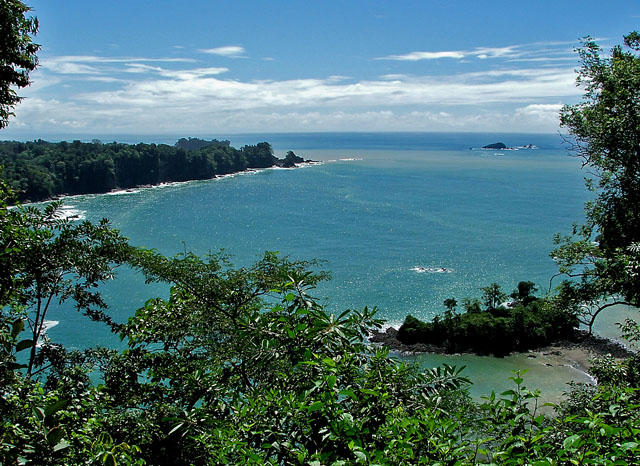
(140, 68)
(537, 50)
(140, 94)
(546, 59)
(50, 114)
(495, 52)
(394, 77)
(233, 51)
(188, 87)
(545, 113)
(193, 73)
(415, 56)
(70, 68)
(52, 61)
(197, 99)
(91, 120)
(480, 52)
(103, 79)
(337, 78)
(91, 65)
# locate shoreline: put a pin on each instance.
(577, 353)
(135, 189)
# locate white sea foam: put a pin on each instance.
(120, 192)
(46, 325)
(49, 324)
(243, 173)
(309, 164)
(591, 379)
(388, 325)
(352, 159)
(420, 269)
(70, 212)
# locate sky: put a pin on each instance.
(210, 68)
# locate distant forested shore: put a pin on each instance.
(40, 170)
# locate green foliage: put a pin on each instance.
(471, 305)
(602, 255)
(244, 366)
(17, 54)
(450, 304)
(524, 292)
(530, 323)
(46, 260)
(291, 159)
(246, 357)
(195, 143)
(39, 170)
(492, 296)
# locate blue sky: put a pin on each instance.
(210, 68)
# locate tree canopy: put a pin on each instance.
(39, 170)
(603, 253)
(17, 53)
(526, 323)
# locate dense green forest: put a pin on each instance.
(40, 170)
(493, 326)
(244, 366)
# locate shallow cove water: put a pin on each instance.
(404, 221)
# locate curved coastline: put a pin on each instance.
(137, 189)
(40, 171)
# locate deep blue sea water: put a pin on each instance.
(386, 211)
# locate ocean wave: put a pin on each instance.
(577, 368)
(313, 163)
(70, 212)
(46, 325)
(347, 159)
(420, 269)
(388, 325)
(49, 324)
(120, 192)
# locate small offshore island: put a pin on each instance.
(499, 327)
(41, 170)
(503, 146)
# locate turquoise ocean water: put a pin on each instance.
(386, 211)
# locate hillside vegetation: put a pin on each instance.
(40, 170)
(494, 327)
